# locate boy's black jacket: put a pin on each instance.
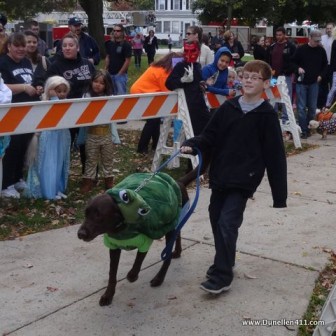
(243, 146)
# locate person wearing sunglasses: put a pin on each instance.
(118, 59)
(195, 33)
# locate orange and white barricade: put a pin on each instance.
(58, 114)
(38, 116)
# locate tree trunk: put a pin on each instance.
(229, 9)
(94, 11)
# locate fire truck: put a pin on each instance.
(297, 33)
(246, 34)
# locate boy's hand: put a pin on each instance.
(188, 76)
(186, 150)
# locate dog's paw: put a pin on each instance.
(105, 300)
(156, 281)
(132, 276)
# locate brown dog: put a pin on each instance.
(103, 216)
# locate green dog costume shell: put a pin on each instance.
(149, 213)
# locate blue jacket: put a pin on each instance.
(220, 86)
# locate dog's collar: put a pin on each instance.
(121, 225)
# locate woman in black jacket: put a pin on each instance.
(39, 63)
(261, 51)
(72, 66)
(235, 48)
(68, 63)
(150, 46)
(17, 73)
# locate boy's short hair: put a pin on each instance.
(259, 66)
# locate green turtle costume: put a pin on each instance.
(151, 207)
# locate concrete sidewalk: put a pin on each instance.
(51, 282)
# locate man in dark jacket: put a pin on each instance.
(281, 53)
(245, 139)
(312, 64)
(88, 47)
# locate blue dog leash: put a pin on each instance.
(186, 210)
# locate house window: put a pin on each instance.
(162, 4)
(177, 5)
(158, 27)
(166, 27)
(175, 27)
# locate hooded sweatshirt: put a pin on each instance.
(78, 72)
(220, 86)
(243, 147)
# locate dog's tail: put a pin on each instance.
(192, 175)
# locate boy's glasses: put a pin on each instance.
(253, 78)
(117, 30)
(189, 34)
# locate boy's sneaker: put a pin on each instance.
(210, 271)
(21, 185)
(212, 268)
(10, 192)
(212, 287)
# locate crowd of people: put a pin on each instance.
(204, 64)
(308, 69)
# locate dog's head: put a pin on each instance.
(102, 215)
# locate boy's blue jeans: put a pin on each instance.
(226, 211)
(306, 96)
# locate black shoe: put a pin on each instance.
(304, 136)
(210, 271)
(212, 287)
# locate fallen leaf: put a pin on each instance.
(249, 276)
(28, 266)
(51, 289)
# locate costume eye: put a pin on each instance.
(143, 211)
(123, 196)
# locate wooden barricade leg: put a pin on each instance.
(291, 126)
(186, 133)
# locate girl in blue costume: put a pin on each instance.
(49, 164)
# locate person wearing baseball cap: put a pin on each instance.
(88, 47)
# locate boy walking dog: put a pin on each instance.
(245, 139)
